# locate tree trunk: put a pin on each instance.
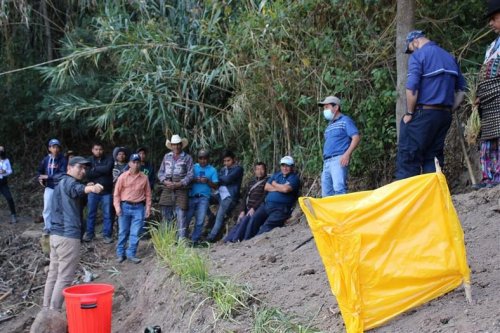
(405, 21)
(48, 35)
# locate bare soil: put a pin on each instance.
(278, 274)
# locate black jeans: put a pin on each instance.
(4, 189)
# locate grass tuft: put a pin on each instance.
(192, 268)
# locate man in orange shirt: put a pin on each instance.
(132, 201)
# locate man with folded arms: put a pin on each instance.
(132, 202)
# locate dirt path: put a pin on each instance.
(293, 281)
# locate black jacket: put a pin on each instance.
(101, 172)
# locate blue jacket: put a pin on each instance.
(54, 168)
(232, 180)
(435, 74)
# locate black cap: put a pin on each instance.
(79, 160)
(493, 7)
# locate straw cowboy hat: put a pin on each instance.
(176, 139)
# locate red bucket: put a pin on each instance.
(89, 307)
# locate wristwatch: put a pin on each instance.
(408, 113)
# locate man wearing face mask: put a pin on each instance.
(435, 88)
(341, 138)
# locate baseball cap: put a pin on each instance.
(78, 160)
(330, 100)
(412, 35)
(53, 142)
(288, 160)
(134, 157)
(203, 153)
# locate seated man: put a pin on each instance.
(205, 179)
(253, 198)
(230, 177)
(282, 188)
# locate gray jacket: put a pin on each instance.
(66, 208)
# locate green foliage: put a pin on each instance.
(271, 320)
(239, 74)
(192, 268)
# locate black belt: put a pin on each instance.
(433, 107)
(198, 195)
(134, 203)
(328, 157)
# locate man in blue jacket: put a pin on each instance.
(435, 88)
(50, 169)
(100, 172)
(230, 177)
(66, 231)
(282, 191)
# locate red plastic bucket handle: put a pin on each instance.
(88, 303)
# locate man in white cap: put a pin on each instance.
(341, 138)
(282, 191)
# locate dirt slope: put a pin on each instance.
(293, 281)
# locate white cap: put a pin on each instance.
(288, 160)
(330, 100)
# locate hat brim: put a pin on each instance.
(184, 143)
(491, 13)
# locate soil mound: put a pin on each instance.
(282, 269)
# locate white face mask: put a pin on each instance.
(328, 114)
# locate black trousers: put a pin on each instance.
(4, 189)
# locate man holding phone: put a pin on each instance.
(205, 179)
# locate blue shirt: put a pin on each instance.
(284, 198)
(435, 74)
(338, 136)
(203, 189)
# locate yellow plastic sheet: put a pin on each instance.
(389, 250)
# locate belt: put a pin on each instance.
(328, 157)
(198, 195)
(433, 107)
(134, 203)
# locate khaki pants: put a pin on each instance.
(64, 259)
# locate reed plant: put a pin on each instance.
(193, 269)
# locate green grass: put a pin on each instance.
(229, 297)
(192, 267)
(272, 320)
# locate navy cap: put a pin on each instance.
(134, 157)
(412, 35)
(53, 142)
(79, 160)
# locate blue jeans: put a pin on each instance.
(267, 217)
(169, 213)
(420, 140)
(197, 207)
(47, 208)
(106, 201)
(334, 177)
(225, 207)
(130, 224)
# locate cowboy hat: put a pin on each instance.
(175, 140)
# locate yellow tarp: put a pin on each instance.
(389, 250)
